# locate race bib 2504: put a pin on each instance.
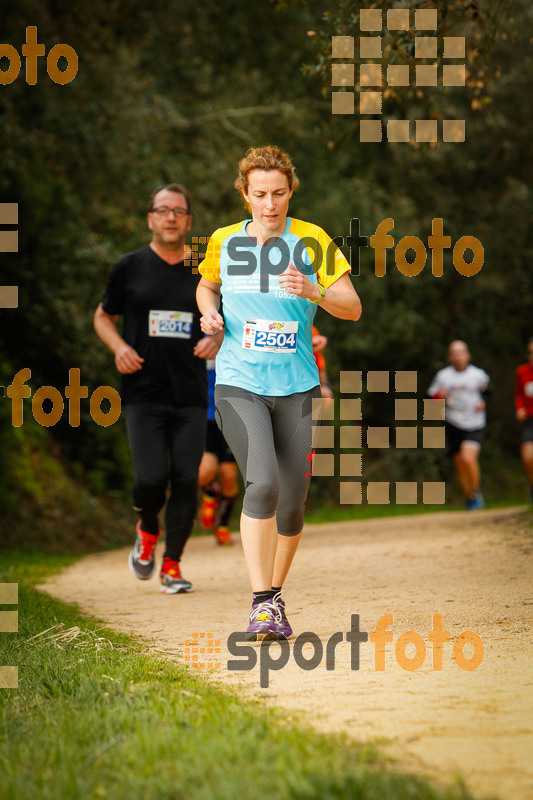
(176, 324)
(270, 336)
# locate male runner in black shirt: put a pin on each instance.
(161, 355)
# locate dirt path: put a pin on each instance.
(473, 568)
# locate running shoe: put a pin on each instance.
(208, 510)
(475, 500)
(264, 620)
(141, 559)
(171, 579)
(223, 535)
(284, 629)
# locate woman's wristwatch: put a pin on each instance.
(321, 295)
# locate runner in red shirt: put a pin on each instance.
(524, 411)
(319, 343)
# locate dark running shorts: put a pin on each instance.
(215, 443)
(527, 430)
(272, 440)
(456, 436)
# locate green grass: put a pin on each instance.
(342, 513)
(100, 717)
(30, 566)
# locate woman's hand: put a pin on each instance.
(211, 323)
(295, 282)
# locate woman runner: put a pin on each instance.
(271, 271)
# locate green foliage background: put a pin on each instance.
(178, 90)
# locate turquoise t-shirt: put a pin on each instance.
(267, 345)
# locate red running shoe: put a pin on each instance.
(141, 559)
(208, 511)
(171, 579)
(223, 535)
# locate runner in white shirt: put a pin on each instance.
(464, 388)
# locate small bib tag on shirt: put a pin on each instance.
(270, 336)
(174, 324)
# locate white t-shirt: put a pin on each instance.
(464, 389)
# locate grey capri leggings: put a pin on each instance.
(270, 438)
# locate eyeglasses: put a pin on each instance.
(163, 211)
